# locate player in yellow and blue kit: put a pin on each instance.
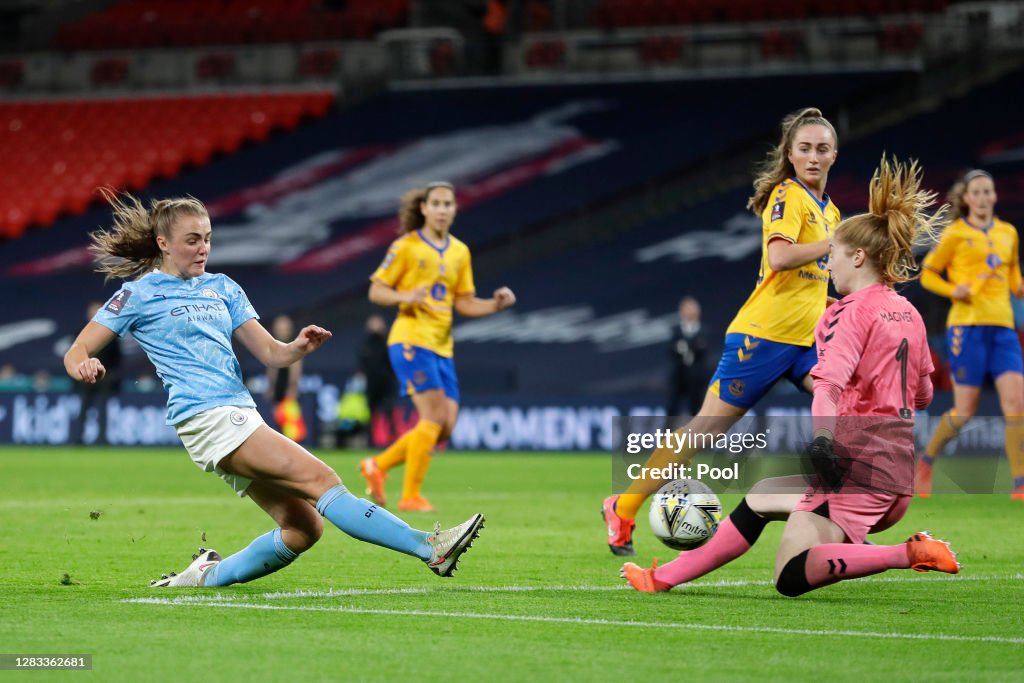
(772, 335)
(427, 273)
(979, 253)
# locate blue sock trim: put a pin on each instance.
(1018, 482)
(283, 552)
(927, 460)
(330, 495)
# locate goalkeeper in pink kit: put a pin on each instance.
(872, 373)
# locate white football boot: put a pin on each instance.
(448, 545)
(192, 576)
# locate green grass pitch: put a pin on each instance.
(537, 598)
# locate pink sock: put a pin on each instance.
(725, 546)
(834, 562)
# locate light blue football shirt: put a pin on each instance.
(185, 328)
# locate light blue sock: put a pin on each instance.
(265, 555)
(368, 522)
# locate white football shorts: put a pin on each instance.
(213, 434)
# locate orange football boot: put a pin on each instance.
(643, 579)
(927, 554)
(375, 477)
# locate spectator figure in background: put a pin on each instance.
(185, 319)
(283, 386)
(12, 380)
(375, 365)
(353, 413)
(978, 253)
(96, 395)
(688, 352)
(428, 274)
(494, 23)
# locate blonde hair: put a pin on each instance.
(896, 221)
(777, 166)
(409, 215)
(955, 197)
(128, 249)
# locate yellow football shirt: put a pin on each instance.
(444, 271)
(985, 259)
(785, 306)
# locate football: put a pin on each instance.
(684, 514)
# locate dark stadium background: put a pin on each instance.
(603, 151)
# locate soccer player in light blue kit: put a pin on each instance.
(185, 318)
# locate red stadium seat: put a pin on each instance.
(158, 23)
(58, 153)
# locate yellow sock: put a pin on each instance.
(629, 503)
(395, 453)
(948, 429)
(1015, 447)
(422, 440)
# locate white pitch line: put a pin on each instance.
(349, 592)
(595, 622)
(736, 583)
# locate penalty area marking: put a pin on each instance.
(585, 621)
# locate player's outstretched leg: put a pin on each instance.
(829, 563)
(368, 522)
(735, 536)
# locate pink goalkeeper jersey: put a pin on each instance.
(872, 344)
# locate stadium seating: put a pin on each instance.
(162, 23)
(58, 152)
(627, 13)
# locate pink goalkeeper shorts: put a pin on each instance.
(857, 514)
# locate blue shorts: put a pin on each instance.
(419, 370)
(979, 350)
(751, 366)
